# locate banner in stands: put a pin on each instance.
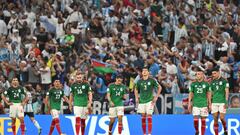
(98, 125)
(181, 104)
(164, 104)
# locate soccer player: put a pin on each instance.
(199, 94)
(146, 101)
(81, 95)
(17, 99)
(220, 92)
(55, 95)
(28, 109)
(116, 93)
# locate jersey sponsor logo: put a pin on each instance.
(83, 87)
(149, 83)
(204, 86)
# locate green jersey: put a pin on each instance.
(146, 88)
(55, 96)
(116, 93)
(15, 95)
(218, 88)
(199, 90)
(80, 93)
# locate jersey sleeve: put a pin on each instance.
(155, 84)
(5, 93)
(89, 88)
(191, 88)
(108, 89)
(125, 89)
(226, 83)
(137, 85)
(48, 93)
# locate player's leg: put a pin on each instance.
(222, 118)
(20, 114)
(13, 125)
(215, 117)
(204, 115)
(55, 116)
(120, 111)
(13, 115)
(142, 111)
(57, 122)
(84, 113)
(35, 122)
(149, 116)
(76, 111)
(112, 116)
(223, 110)
(196, 114)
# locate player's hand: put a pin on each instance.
(189, 107)
(112, 104)
(137, 102)
(210, 107)
(89, 105)
(9, 103)
(70, 108)
(154, 101)
(225, 106)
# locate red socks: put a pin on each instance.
(196, 124)
(22, 127)
(203, 125)
(149, 124)
(119, 128)
(144, 124)
(77, 125)
(58, 125)
(52, 127)
(13, 128)
(82, 126)
(224, 125)
(216, 128)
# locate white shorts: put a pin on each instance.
(16, 110)
(146, 108)
(116, 111)
(55, 113)
(218, 107)
(81, 112)
(200, 111)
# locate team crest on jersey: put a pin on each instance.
(204, 86)
(220, 83)
(149, 83)
(60, 92)
(75, 87)
(121, 89)
(83, 87)
(19, 90)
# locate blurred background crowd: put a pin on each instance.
(44, 40)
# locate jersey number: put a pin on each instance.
(199, 90)
(16, 95)
(57, 96)
(79, 91)
(117, 93)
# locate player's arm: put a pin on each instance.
(227, 93)
(209, 97)
(5, 99)
(66, 99)
(136, 94)
(159, 89)
(109, 97)
(47, 102)
(90, 97)
(26, 98)
(190, 97)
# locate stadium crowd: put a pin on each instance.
(45, 40)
